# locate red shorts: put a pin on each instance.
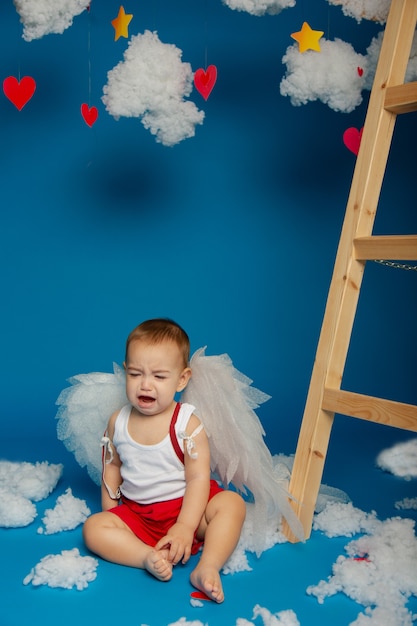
(151, 522)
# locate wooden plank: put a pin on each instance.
(388, 412)
(390, 247)
(401, 98)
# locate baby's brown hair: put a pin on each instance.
(161, 329)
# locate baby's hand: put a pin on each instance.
(178, 540)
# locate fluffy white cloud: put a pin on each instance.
(378, 572)
(41, 17)
(68, 513)
(340, 519)
(151, 83)
(375, 10)
(66, 570)
(15, 510)
(337, 75)
(283, 618)
(21, 484)
(34, 481)
(400, 460)
(330, 75)
(260, 7)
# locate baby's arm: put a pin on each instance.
(197, 475)
(111, 470)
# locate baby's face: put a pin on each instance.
(154, 373)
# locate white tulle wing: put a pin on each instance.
(225, 402)
(84, 410)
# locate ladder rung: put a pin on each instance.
(401, 98)
(390, 247)
(370, 408)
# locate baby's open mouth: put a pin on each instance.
(146, 399)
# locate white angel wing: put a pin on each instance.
(84, 410)
(225, 401)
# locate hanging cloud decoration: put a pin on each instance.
(260, 7)
(375, 10)
(42, 17)
(330, 76)
(151, 82)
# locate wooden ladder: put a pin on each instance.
(389, 97)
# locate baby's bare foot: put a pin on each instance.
(207, 579)
(157, 564)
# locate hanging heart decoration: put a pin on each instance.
(90, 114)
(204, 80)
(352, 139)
(19, 92)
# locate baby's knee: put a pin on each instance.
(238, 504)
(233, 502)
(90, 528)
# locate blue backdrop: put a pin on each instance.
(233, 233)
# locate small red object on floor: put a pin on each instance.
(200, 595)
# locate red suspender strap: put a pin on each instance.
(172, 433)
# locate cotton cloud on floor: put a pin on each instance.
(21, 484)
(283, 618)
(65, 570)
(400, 460)
(259, 7)
(151, 83)
(68, 513)
(378, 572)
(339, 519)
(42, 17)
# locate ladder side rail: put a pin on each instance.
(369, 172)
(347, 276)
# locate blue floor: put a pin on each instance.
(279, 578)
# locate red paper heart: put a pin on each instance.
(200, 595)
(204, 81)
(360, 71)
(90, 114)
(19, 92)
(352, 139)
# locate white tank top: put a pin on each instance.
(150, 473)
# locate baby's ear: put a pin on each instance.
(184, 378)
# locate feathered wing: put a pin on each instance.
(84, 411)
(225, 402)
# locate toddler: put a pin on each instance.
(159, 503)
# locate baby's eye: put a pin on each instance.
(159, 377)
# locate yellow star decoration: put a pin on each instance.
(120, 24)
(308, 39)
